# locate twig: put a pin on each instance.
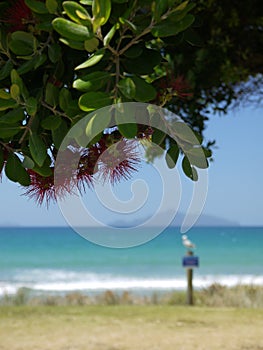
(55, 111)
(27, 128)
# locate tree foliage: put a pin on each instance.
(60, 60)
(224, 61)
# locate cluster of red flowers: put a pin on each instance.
(111, 164)
(18, 15)
(174, 86)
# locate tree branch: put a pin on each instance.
(55, 111)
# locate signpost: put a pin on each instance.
(189, 262)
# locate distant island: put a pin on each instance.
(204, 220)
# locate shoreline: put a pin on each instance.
(97, 284)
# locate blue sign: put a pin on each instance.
(190, 261)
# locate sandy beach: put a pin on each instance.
(129, 327)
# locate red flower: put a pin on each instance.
(181, 87)
(42, 188)
(18, 15)
(171, 86)
(87, 167)
(119, 161)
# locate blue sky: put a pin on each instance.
(235, 189)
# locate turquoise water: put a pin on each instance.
(59, 260)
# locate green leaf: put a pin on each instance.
(31, 106)
(6, 104)
(76, 12)
(92, 82)
(182, 6)
(54, 52)
(36, 6)
(45, 170)
(16, 79)
(14, 91)
(127, 87)
(37, 149)
(189, 170)
(59, 134)
(144, 92)
(86, 2)
(208, 153)
(28, 163)
(71, 30)
(27, 38)
(15, 171)
(168, 28)
(94, 100)
(9, 130)
(185, 135)
(128, 23)
(91, 44)
(44, 26)
(110, 35)
(158, 9)
(26, 67)
(13, 116)
(52, 122)
(94, 59)
(33, 64)
(158, 136)
(197, 157)
(19, 48)
(23, 177)
(73, 108)
(101, 10)
(76, 45)
(134, 51)
(22, 43)
(52, 95)
(97, 124)
(180, 11)
(51, 6)
(6, 69)
(172, 156)
(130, 129)
(64, 99)
(4, 94)
(155, 118)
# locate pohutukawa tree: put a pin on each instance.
(60, 60)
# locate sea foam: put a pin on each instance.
(69, 282)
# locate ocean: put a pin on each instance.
(58, 260)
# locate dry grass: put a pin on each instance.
(129, 327)
(216, 295)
